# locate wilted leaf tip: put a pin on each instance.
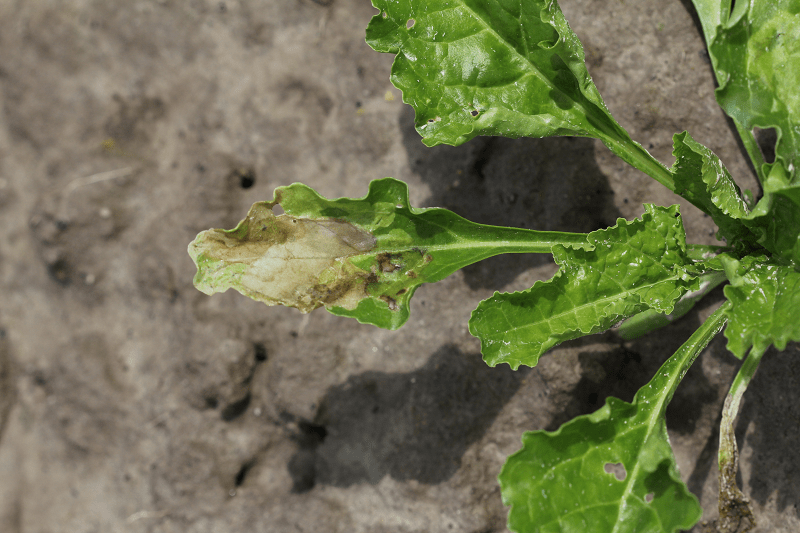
(282, 259)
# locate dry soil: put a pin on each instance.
(131, 402)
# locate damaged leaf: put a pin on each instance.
(283, 260)
(561, 481)
(362, 258)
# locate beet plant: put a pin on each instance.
(515, 68)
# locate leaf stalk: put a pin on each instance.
(735, 514)
(634, 154)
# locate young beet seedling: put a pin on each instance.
(495, 67)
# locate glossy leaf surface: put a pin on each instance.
(560, 482)
(362, 258)
(630, 267)
(491, 67)
(477, 67)
(702, 178)
(711, 14)
(756, 53)
(765, 298)
(651, 320)
(776, 217)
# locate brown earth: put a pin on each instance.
(130, 402)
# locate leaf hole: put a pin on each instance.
(384, 14)
(649, 497)
(618, 469)
(277, 210)
(474, 113)
(410, 24)
(766, 139)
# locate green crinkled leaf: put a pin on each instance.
(630, 267)
(776, 217)
(702, 178)
(478, 67)
(362, 258)
(765, 298)
(756, 55)
(559, 481)
(651, 320)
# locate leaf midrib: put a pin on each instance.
(593, 303)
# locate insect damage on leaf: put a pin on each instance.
(284, 260)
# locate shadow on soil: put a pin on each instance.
(551, 184)
(621, 371)
(7, 389)
(771, 406)
(415, 425)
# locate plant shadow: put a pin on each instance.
(414, 425)
(770, 418)
(622, 370)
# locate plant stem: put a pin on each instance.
(751, 145)
(733, 505)
(528, 241)
(667, 380)
(739, 385)
(635, 155)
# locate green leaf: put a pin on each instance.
(362, 258)
(559, 481)
(712, 13)
(488, 68)
(630, 267)
(773, 224)
(492, 67)
(701, 178)
(764, 300)
(651, 320)
(776, 217)
(756, 54)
